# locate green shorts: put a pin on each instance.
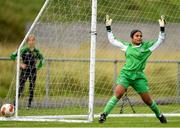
(135, 79)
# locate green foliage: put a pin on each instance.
(103, 85)
(68, 11)
(7, 73)
(14, 15)
(67, 83)
(139, 10)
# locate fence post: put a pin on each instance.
(178, 83)
(115, 74)
(47, 83)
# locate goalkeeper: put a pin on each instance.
(132, 73)
(29, 55)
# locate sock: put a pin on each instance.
(155, 109)
(110, 105)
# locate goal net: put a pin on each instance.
(162, 68)
(63, 35)
(62, 32)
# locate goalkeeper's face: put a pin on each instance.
(137, 38)
(31, 41)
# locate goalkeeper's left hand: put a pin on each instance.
(162, 23)
(108, 23)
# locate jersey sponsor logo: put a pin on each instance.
(142, 49)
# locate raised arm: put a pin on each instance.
(111, 37)
(161, 37)
(116, 42)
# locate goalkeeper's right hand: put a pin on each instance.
(108, 23)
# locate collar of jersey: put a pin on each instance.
(136, 46)
(30, 49)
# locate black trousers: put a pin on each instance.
(25, 74)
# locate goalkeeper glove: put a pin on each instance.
(162, 23)
(108, 23)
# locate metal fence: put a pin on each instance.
(115, 63)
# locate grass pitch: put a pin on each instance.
(111, 122)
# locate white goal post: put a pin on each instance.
(18, 55)
(81, 66)
(87, 118)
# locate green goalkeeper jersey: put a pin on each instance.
(136, 56)
(29, 57)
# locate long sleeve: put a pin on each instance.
(13, 56)
(160, 40)
(116, 42)
(41, 60)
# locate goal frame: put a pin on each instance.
(18, 55)
(68, 118)
(89, 117)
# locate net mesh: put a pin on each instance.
(63, 37)
(161, 71)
